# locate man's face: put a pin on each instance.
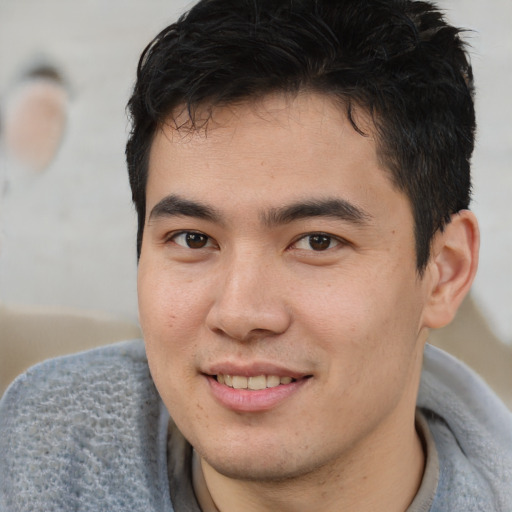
(277, 255)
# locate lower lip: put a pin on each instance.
(244, 400)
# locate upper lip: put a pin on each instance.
(254, 369)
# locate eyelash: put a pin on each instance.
(322, 238)
(187, 234)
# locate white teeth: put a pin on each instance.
(239, 382)
(259, 382)
(273, 381)
(252, 383)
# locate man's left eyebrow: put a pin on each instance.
(336, 208)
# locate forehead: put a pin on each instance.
(268, 151)
(285, 110)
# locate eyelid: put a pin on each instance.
(339, 240)
(171, 237)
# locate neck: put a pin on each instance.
(384, 476)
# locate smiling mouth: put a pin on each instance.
(252, 383)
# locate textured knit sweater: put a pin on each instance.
(89, 433)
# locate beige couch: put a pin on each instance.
(470, 339)
(31, 334)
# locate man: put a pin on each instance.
(300, 171)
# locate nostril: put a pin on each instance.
(248, 324)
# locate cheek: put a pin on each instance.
(368, 327)
(168, 301)
(339, 311)
(166, 318)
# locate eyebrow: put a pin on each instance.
(340, 209)
(175, 206)
(336, 208)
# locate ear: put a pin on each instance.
(451, 269)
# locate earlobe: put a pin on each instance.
(452, 268)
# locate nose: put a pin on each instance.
(249, 302)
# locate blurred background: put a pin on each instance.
(67, 226)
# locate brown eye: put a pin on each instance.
(192, 240)
(319, 242)
(196, 240)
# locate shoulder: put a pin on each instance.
(61, 383)
(472, 430)
(456, 392)
(79, 425)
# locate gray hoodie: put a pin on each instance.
(89, 432)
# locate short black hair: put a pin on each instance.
(399, 60)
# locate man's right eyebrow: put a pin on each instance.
(176, 206)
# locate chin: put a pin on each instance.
(251, 472)
(260, 464)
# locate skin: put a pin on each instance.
(252, 294)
